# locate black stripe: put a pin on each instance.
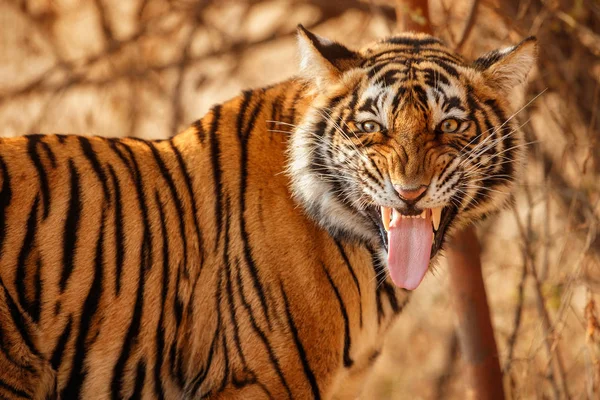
(177, 304)
(21, 274)
(453, 102)
(241, 113)
(347, 341)
(71, 227)
(421, 102)
(36, 306)
(450, 70)
(379, 271)
(176, 364)
(188, 184)
(140, 377)
(114, 144)
(354, 278)
(244, 137)
(61, 344)
(298, 343)
(90, 154)
(508, 140)
(160, 329)
(260, 333)
(130, 337)
(400, 93)
(200, 133)
(433, 77)
(390, 293)
(78, 368)
(164, 171)
(216, 169)
(5, 198)
(19, 321)
(146, 254)
(119, 234)
(13, 390)
(368, 105)
(292, 107)
(196, 383)
(233, 320)
(219, 295)
(32, 142)
(226, 367)
(6, 348)
(145, 262)
(249, 376)
(129, 341)
(49, 153)
(412, 41)
(276, 111)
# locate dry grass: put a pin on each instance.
(149, 67)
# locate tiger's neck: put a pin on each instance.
(274, 127)
(256, 240)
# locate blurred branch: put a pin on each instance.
(329, 7)
(512, 339)
(559, 381)
(469, 25)
(443, 380)
(104, 23)
(585, 35)
(78, 75)
(413, 15)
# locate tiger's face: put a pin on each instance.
(405, 142)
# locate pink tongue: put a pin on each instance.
(409, 251)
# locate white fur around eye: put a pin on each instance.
(437, 106)
(364, 116)
(382, 97)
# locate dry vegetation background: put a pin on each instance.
(148, 68)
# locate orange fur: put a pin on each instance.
(185, 268)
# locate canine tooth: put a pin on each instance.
(386, 214)
(423, 214)
(436, 214)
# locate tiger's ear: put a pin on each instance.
(322, 60)
(505, 69)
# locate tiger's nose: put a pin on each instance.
(410, 194)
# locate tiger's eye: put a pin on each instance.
(369, 126)
(449, 125)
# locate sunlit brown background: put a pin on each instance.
(148, 68)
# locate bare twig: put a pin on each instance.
(441, 387)
(512, 339)
(413, 15)
(468, 26)
(561, 389)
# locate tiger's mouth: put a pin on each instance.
(412, 238)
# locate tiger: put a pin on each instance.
(264, 251)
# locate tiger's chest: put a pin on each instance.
(298, 314)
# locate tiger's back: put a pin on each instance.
(151, 267)
(81, 270)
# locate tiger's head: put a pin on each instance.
(405, 142)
